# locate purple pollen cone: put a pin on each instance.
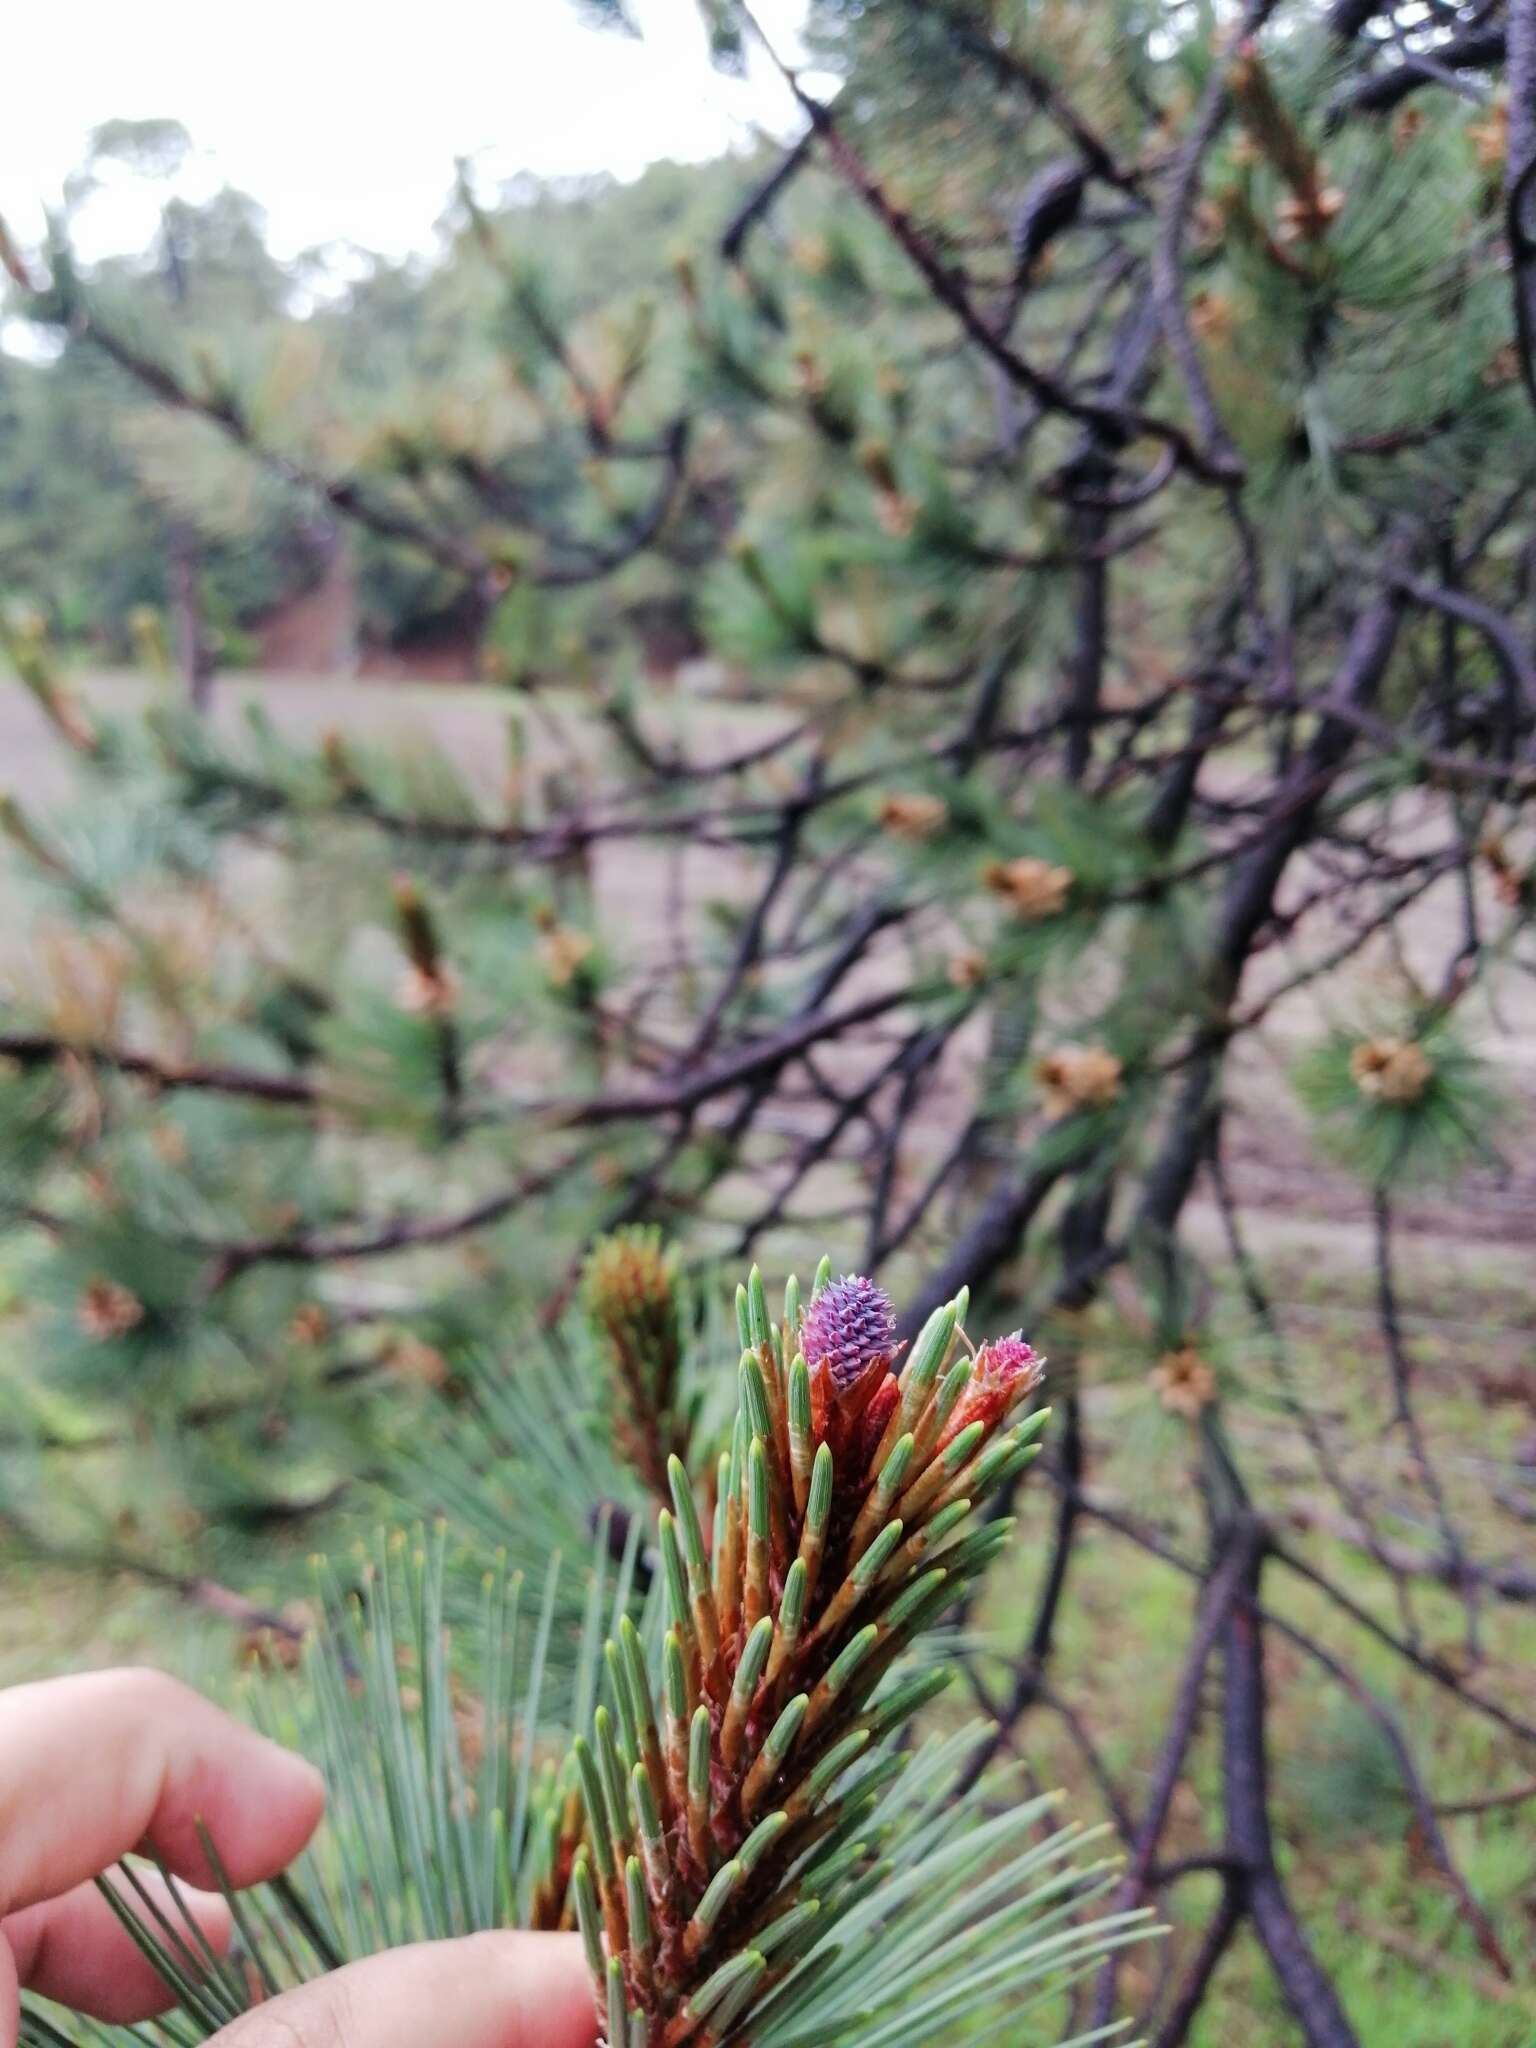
(850, 1324)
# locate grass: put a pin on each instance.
(58, 1620)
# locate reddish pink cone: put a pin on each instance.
(1001, 1372)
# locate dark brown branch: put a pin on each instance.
(1168, 267)
(1230, 1581)
(32, 1049)
(1418, 1796)
(1426, 1960)
(1029, 1677)
(1016, 73)
(762, 200)
(1505, 643)
(992, 1238)
(598, 563)
(343, 495)
(1220, 1928)
(1405, 1415)
(1512, 1582)
(196, 1589)
(1249, 902)
(1346, 18)
(1520, 183)
(766, 1056)
(1487, 1802)
(1439, 1674)
(1478, 50)
(1245, 1785)
(405, 1233)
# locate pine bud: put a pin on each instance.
(563, 953)
(1079, 1077)
(1392, 1070)
(107, 1310)
(1002, 1373)
(630, 1290)
(1312, 205)
(1489, 135)
(1185, 1383)
(914, 814)
(1033, 889)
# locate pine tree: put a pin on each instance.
(1093, 469)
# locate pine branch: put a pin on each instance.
(841, 1530)
(307, 1248)
(1481, 49)
(631, 1290)
(35, 1049)
(1520, 181)
(948, 289)
(757, 206)
(1016, 72)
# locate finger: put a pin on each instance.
(76, 1950)
(93, 1767)
(489, 1991)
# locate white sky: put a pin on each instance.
(343, 117)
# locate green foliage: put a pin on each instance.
(874, 1900)
(1346, 1780)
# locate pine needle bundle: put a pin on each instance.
(726, 1822)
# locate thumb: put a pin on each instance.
(486, 1991)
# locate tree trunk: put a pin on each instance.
(194, 650)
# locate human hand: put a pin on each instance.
(94, 1768)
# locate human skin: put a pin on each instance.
(94, 1768)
